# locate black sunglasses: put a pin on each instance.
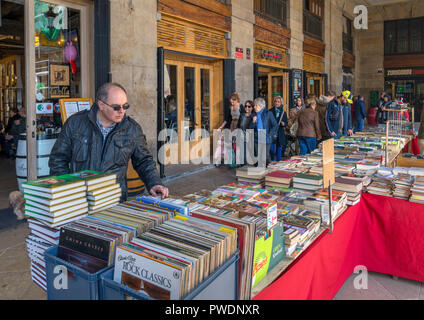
(249, 106)
(117, 107)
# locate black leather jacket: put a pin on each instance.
(79, 147)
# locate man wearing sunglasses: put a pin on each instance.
(104, 139)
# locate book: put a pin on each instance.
(54, 184)
(102, 190)
(96, 186)
(58, 213)
(308, 178)
(93, 203)
(111, 194)
(57, 207)
(93, 177)
(54, 198)
(54, 221)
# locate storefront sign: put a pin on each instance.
(60, 92)
(419, 72)
(400, 72)
(239, 53)
(59, 75)
(272, 55)
(44, 108)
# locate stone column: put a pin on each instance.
(242, 36)
(133, 60)
(333, 28)
(295, 23)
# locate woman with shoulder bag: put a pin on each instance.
(278, 146)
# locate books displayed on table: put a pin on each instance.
(417, 190)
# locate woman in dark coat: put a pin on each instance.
(278, 146)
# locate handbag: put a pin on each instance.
(275, 136)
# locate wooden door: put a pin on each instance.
(278, 85)
(189, 101)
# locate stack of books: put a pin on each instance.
(381, 186)
(291, 239)
(38, 241)
(308, 181)
(319, 203)
(102, 190)
(249, 174)
(368, 166)
(306, 227)
(417, 190)
(352, 188)
(279, 178)
(55, 200)
(402, 184)
(50, 203)
(183, 252)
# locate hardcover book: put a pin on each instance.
(93, 177)
(54, 184)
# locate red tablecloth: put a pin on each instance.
(386, 235)
(415, 150)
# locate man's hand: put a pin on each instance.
(349, 132)
(8, 137)
(333, 134)
(159, 189)
(282, 124)
(254, 119)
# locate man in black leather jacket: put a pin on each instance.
(104, 139)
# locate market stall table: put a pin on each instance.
(383, 234)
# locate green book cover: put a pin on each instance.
(92, 177)
(54, 183)
(308, 176)
(269, 251)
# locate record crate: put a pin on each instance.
(219, 285)
(80, 284)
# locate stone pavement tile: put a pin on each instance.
(16, 262)
(12, 284)
(14, 236)
(374, 291)
(402, 289)
(34, 292)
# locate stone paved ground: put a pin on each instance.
(15, 278)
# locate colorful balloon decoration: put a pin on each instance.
(70, 54)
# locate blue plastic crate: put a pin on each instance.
(219, 285)
(81, 285)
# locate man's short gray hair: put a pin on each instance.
(260, 102)
(103, 91)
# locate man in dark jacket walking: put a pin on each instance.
(104, 139)
(360, 114)
(334, 116)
